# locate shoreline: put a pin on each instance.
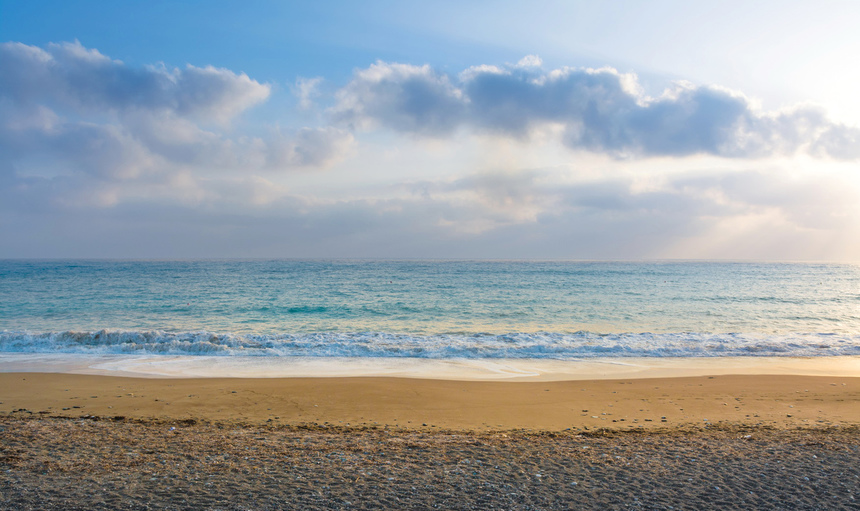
(602, 368)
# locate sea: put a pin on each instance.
(417, 309)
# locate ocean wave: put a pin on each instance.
(539, 345)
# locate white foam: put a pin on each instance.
(515, 345)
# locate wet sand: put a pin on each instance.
(724, 442)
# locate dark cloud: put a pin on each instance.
(598, 110)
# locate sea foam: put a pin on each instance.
(539, 345)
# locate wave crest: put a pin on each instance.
(539, 345)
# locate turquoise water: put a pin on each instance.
(433, 309)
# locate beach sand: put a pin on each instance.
(722, 442)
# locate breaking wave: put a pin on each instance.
(540, 345)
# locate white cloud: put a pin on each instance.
(308, 148)
(407, 98)
(530, 61)
(69, 109)
(98, 158)
(306, 89)
(744, 215)
(599, 110)
(69, 76)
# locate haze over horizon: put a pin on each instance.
(553, 130)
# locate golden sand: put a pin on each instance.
(766, 400)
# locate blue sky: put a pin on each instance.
(563, 130)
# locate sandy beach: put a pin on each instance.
(744, 441)
(779, 401)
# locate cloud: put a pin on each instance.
(599, 110)
(839, 141)
(306, 89)
(68, 75)
(464, 217)
(402, 97)
(66, 109)
(308, 148)
(495, 198)
(530, 61)
(102, 159)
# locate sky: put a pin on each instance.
(480, 130)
